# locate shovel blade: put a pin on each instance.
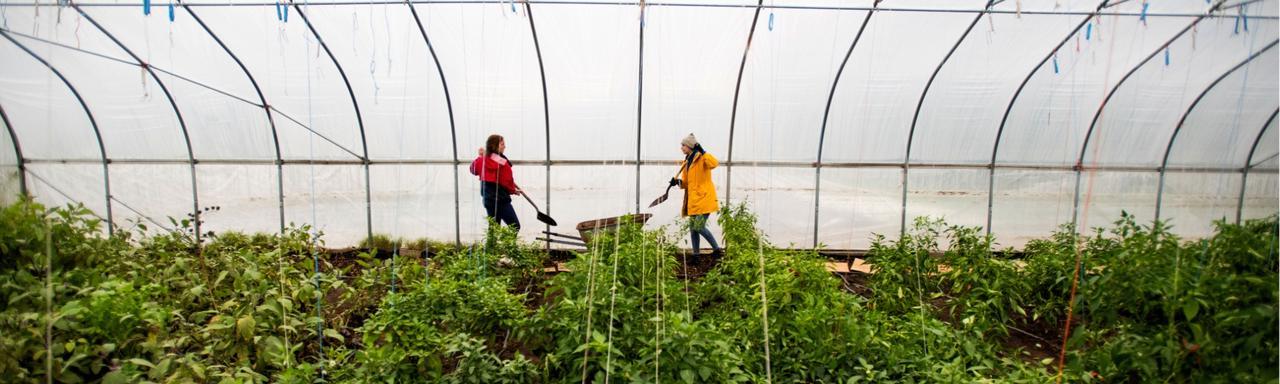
(546, 219)
(659, 200)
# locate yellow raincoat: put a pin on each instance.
(700, 193)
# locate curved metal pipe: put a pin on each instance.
(995, 147)
(266, 108)
(1164, 164)
(17, 149)
(546, 114)
(911, 134)
(102, 149)
(826, 113)
(364, 144)
(1248, 163)
(182, 123)
(453, 131)
(1084, 146)
(733, 114)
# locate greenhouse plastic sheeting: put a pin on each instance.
(833, 121)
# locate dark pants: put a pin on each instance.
(698, 228)
(502, 213)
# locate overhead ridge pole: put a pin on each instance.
(546, 112)
(266, 108)
(97, 133)
(911, 134)
(1084, 146)
(182, 123)
(364, 144)
(826, 112)
(733, 113)
(1248, 163)
(1164, 164)
(17, 149)
(453, 132)
(995, 147)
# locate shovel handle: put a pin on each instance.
(535, 206)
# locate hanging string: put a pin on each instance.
(613, 298)
(591, 288)
(764, 308)
(1055, 63)
(48, 301)
(657, 309)
(311, 168)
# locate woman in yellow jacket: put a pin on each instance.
(700, 194)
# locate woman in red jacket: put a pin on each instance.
(496, 181)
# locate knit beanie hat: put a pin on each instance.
(689, 141)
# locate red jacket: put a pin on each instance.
(495, 169)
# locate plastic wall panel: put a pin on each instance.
(592, 91)
(489, 61)
(330, 198)
(295, 75)
(394, 78)
(180, 46)
(957, 195)
(62, 25)
(786, 81)
(221, 127)
(1193, 201)
(1049, 119)
(151, 194)
(881, 84)
(135, 118)
(413, 201)
(691, 59)
(781, 199)
(1135, 127)
(61, 184)
(1103, 195)
(961, 114)
(246, 197)
(857, 203)
(1030, 204)
(1222, 128)
(44, 113)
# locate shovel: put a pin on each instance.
(541, 216)
(663, 198)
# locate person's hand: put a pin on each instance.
(674, 182)
(518, 191)
(480, 151)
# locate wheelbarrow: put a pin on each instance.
(589, 229)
